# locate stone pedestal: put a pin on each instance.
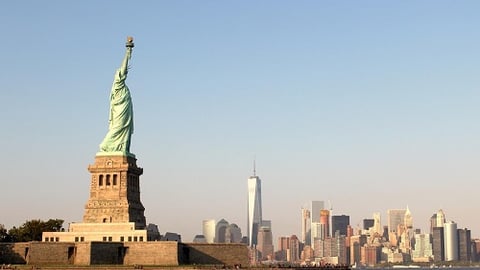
(115, 191)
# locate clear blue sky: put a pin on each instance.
(369, 104)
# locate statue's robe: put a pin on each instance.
(121, 113)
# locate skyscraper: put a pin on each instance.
(475, 250)
(293, 254)
(208, 230)
(395, 217)
(283, 247)
(306, 226)
(377, 223)
(440, 218)
(356, 242)
(315, 208)
(324, 224)
(221, 231)
(408, 219)
(464, 245)
(438, 236)
(438, 244)
(235, 233)
(254, 218)
(407, 235)
(368, 223)
(340, 224)
(199, 238)
(433, 222)
(266, 223)
(265, 243)
(451, 241)
(423, 248)
(332, 249)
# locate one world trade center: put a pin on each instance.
(254, 208)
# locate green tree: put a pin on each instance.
(53, 225)
(32, 230)
(4, 237)
(15, 234)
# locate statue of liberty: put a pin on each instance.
(117, 140)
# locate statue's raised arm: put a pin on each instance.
(117, 140)
(122, 71)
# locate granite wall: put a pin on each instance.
(161, 253)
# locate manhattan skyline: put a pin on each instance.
(370, 105)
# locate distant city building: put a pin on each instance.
(170, 236)
(153, 234)
(331, 249)
(422, 251)
(208, 230)
(356, 242)
(254, 218)
(438, 238)
(377, 223)
(406, 232)
(476, 250)
(433, 222)
(244, 240)
(395, 218)
(293, 252)
(283, 247)
(320, 248)
(385, 233)
(408, 219)
(349, 230)
(393, 239)
(266, 223)
(221, 231)
(316, 207)
(396, 257)
(199, 238)
(315, 233)
(440, 218)
(306, 224)
(340, 224)
(265, 243)
(370, 255)
(368, 223)
(464, 245)
(227, 233)
(289, 249)
(307, 254)
(254, 255)
(347, 243)
(438, 244)
(451, 241)
(235, 233)
(324, 223)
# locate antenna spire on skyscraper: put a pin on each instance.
(254, 167)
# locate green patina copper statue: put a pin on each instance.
(117, 140)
